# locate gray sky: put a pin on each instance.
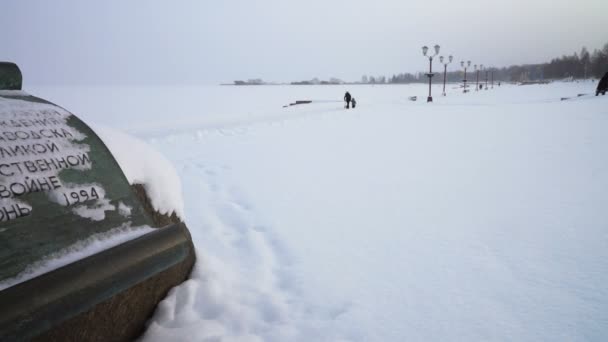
(177, 42)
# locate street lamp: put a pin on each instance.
(477, 77)
(462, 64)
(486, 69)
(430, 75)
(445, 69)
(477, 71)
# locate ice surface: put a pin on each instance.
(477, 217)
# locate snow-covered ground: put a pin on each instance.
(478, 217)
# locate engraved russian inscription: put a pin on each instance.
(35, 146)
(59, 185)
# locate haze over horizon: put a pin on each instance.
(189, 42)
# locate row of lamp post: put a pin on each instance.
(430, 74)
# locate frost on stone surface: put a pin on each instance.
(124, 209)
(84, 248)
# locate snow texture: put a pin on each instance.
(476, 217)
(142, 164)
(124, 209)
(95, 212)
(13, 93)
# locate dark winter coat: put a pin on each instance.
(347, 97)
(603, 85)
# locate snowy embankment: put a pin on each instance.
(477, 217)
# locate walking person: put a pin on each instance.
(347, 99)
(353, 102)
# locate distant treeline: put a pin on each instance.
(578, 65)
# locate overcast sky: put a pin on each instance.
(178, 42)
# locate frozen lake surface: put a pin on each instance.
(478, 217)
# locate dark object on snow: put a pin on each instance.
(109, 295)
(572, 97)
(347, 99)
(106, 297)
(412, 98)
(533, 82)
(10, 76)
(353, 102)
(297, 103)
(602, 86)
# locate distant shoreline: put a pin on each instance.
(335, 84)
(320, 84)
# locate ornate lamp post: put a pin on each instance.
(462, 64)
(430, 75)
(445, 69)
(477, 71)
(486, 69)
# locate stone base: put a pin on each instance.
(124, 316)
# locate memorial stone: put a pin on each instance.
(59, 184)
(61, 190)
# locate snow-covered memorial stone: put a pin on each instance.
(82, 255)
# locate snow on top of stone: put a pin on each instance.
(143, 165)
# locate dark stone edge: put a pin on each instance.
(106, 297)
(10, 76)
(160, 220)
